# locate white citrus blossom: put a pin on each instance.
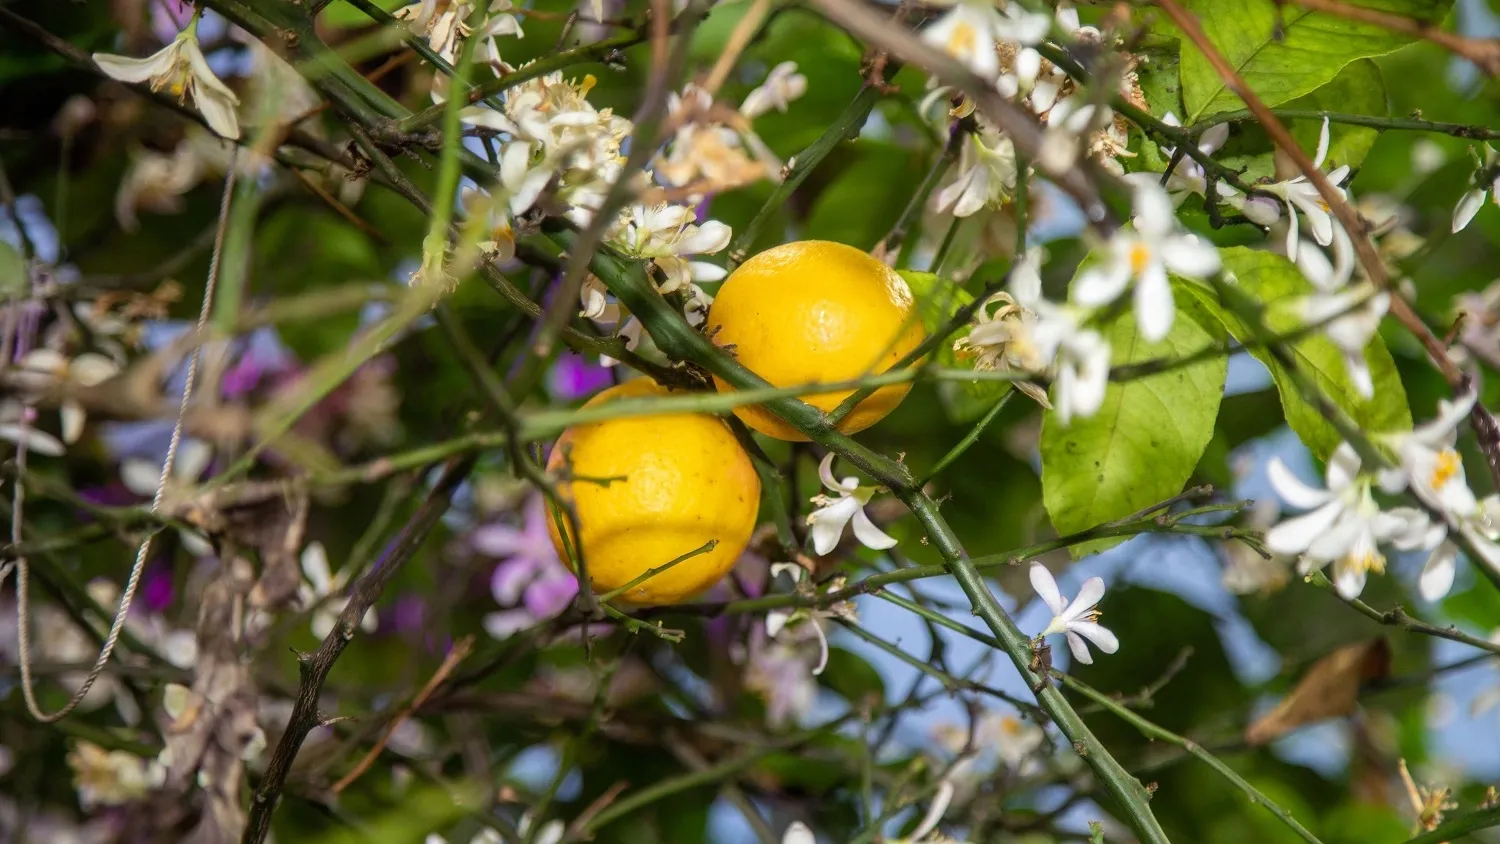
(713, 149)
(111, 777)
(1068, 123)
(322, 591)
(1080, 359)
(986, 177)
(1343, 526)
(970, 30)
(444, 23)
(833, 514)
(1299, 193)
(1472, 200)
(157, 183)
(1433, 470)
(1146, 254)
(1003, 338)
(801, 619)
(86, 370)
(1188, 177)
(1078, 621)
(783, 85)
(997, 743)
(181, 69)
(667, 234)
(1430, 466)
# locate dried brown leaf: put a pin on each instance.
(1330, 689)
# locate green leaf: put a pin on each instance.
(13, 282)
(861, 204)
(852, 677)
(1276, 282)
(1358, 89)
(346, 15)
(1142, 445)
(1286, 52)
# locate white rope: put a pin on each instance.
(23, 616)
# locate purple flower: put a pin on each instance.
(573, 377)
(156, 589)
(530, 583)
(263, 357)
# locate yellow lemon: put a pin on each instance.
(649, 489)
(816, 311)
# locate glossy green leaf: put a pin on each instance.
(1284, 52)
(1276, 282)
(1142, 445)
(858, 207)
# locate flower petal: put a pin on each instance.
(1349, 581)
(73, 419)
(37, 442)
(1079, 648)
(1322, 146)
(869, 535)
(1088, 595)
(798, 833)
(1101, 285)
(1154, 215)
(1191, 256)
(1343, 467)
(1294, 536)
(1292, 490)
(1213, 138)
(497, 540)
(825, 474)
(315, 568)
(1101, 636)
(1463, 213)
(1154, 308)
(504, 624)
(827, 524)
(1437, 574)
(127, 69)
(1046, 588)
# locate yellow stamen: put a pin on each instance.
(1370, 561)
(963, 39)
(1140, 257)
(1010, 726)
(1448, 465)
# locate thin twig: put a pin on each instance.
(455, 655)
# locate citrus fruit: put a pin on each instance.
(815, 311)
(649, 489)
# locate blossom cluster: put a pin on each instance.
(1346, 526)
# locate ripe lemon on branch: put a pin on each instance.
(816, 311)
(649, 489)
